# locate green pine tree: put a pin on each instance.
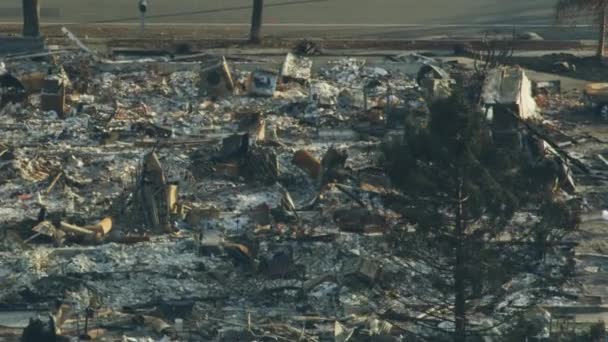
(463, 191)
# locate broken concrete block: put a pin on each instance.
(324, 94)
(363, 269)
(368, 270)
(296, 68)
(216, 80)
(509, 88)
(306, 161)
(262, 83)
(52, 97)
(150, 193)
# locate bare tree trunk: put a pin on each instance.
(31, 15)
(256, 22)
(460, 274)
(602, 40)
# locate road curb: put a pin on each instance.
(204, 38)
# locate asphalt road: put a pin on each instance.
(357, 18)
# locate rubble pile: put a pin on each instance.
(225, 201)
(205, 200)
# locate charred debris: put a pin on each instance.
(233, 198)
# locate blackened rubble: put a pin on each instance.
(215, 200)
